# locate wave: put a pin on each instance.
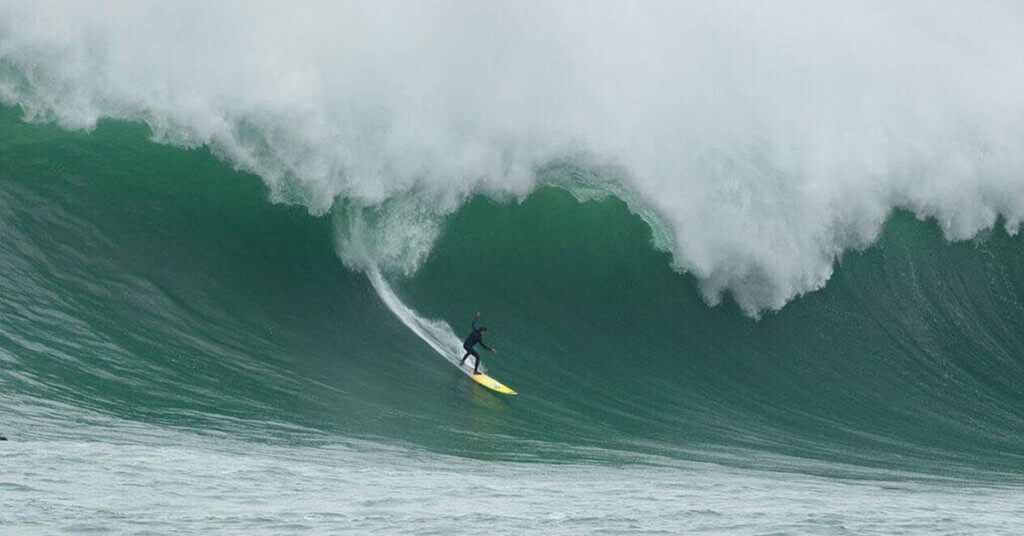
(156, 285)
(760, 143)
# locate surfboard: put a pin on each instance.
(484, 379)
(491, 383)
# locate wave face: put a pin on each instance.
(758, 142)
(156, 285)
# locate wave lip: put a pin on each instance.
(763, 142)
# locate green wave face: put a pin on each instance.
(158, 285)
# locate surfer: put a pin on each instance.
(474, 339)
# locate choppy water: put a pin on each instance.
(156, 481)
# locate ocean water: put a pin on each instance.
(752, 270)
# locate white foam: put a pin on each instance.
(761, 139)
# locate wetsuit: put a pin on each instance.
(474, 339)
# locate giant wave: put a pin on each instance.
(150, 285)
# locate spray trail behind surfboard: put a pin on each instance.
(436, 333)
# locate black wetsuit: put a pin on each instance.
(474, 339)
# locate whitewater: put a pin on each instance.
(753, 268)
(760, 142)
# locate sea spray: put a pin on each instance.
(767, 139)
(396, 238)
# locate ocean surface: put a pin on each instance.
(785, 296)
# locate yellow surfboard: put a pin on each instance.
(491, 383)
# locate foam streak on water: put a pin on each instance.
(436, 333)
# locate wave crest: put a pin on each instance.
(758, 141)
